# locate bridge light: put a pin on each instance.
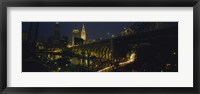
(69, 46)
(59, 69)
(132, 57)
(113, 35)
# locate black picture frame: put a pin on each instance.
(100, 3)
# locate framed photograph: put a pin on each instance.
(86, 46)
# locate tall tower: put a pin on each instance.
(36, 33)
(83, 33)
(57, 31)
(75, 33)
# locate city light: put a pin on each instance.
(57, 51)
(99, 47)
(69, 46)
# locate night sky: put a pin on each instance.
(94, 30)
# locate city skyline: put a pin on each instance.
(117, 47)
(96, 30)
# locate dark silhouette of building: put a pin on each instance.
(57, 31)
(75, 34)
(78, 41)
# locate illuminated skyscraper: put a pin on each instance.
(83, 33)
(75, 33)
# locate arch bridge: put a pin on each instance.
(119, 48)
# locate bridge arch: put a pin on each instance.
(104, 52)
